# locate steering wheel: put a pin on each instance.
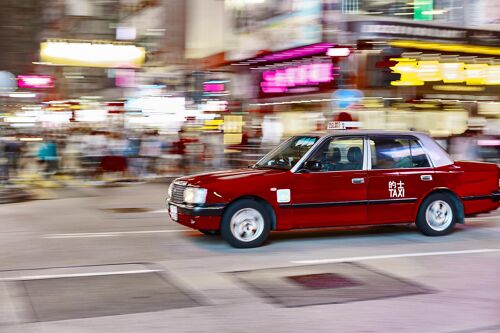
(281, 161)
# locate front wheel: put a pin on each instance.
(437, 215)
(245, 224)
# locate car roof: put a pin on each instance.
(435, 152)
(355, 132)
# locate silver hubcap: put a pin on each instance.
(439, 215)
(247, 224)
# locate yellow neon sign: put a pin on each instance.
(408, 70)
(459, 48)
(453, 72)
(416, 73)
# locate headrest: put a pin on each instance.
(354, 155)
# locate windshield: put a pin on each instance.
(287, 154)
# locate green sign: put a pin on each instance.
(423, 10)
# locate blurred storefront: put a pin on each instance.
(294, 86)
(438, 75)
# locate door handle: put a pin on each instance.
(426, 178)
(358, 180)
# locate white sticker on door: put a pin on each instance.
(283, 195)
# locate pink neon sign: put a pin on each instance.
(214, 87)
(283, 79)
(35, 81)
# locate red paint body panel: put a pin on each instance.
(412, 186)
(328, 187)
(338, 201)
(229, 185)
(378, 190)
(477, 179)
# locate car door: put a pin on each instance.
(334, 195)
(400, 174)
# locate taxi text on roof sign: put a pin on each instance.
(342, 125)
(336, 125)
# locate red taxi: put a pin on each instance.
(343, 178)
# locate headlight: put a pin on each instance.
(170, 189)
(194, 195)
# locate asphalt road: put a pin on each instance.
(110, 260)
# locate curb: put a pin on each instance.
(13, 195)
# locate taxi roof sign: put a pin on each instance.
(336, 125)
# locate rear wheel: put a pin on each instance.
(437, 215)
(245, 224)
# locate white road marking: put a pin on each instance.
(388, 256)
(57, 276)
(111, 234)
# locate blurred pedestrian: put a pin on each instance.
(465, 146)
(13, 150)
(47, 156)
(4, 163)
(114, 160)
(150, 151)
(93, 151)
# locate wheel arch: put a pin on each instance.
(456, 199)
(269, 208)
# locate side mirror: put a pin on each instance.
(313, 165)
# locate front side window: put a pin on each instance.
(287, 154)
(397, 153)
(340, 154)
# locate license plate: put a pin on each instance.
(173, 212)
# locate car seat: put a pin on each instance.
(330, 159)
(355, 158)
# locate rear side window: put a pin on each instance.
(397, 153)
(418, 156)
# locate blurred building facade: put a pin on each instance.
(246, 71)
(78, 21)
(20, 23)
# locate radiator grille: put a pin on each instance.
(178, 193)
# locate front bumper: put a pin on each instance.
(495, 196)
(198, 210)
(205, 216)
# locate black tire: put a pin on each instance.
(209, 232)
(234, 209)
(446, 203)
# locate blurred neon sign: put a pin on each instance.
(35, 81)
(214, 87)
(416, 73)
(82, 53)
(285, 79)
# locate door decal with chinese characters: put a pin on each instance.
(396, 190)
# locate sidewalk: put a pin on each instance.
(13, 194)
